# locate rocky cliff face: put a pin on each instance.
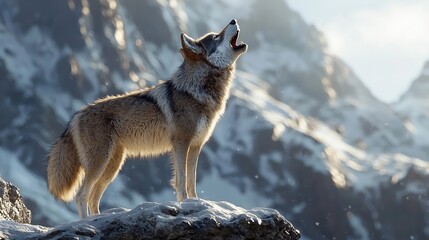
(301, 133)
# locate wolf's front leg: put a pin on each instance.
(191, 171)
(180, 154)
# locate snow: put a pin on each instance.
(195, 209)
(415, 110)
(163, 58)
(359, 228)
(17, 60)
(11, 230)
(22, 118)
(172, 12)
(42, 51)
(265, 167)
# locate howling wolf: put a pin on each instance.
(176, 116)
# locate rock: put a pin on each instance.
(191, 219)
(12, 206)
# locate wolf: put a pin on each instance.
(176, 116)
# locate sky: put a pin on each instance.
(385, 42)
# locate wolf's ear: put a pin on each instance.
(189, 46)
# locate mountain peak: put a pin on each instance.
(420, 86)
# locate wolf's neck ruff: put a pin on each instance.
(206, 84)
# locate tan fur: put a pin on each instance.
(64, 172)
(177, 116)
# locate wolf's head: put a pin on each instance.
(218, 49)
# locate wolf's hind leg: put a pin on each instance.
(109, 173)
(96, 157)
(191, 171)
(83, 194)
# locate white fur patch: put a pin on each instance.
(224, 55)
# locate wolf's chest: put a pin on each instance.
(203, 130)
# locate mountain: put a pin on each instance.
(301, 133)
(413, 105)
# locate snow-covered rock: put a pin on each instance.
(190, 219)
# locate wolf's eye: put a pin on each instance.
(216, 37)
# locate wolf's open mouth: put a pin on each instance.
(233, 41)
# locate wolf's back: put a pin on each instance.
(64, 172)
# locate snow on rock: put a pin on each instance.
(12, 206)
(190, 219)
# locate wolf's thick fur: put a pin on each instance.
(176, 116)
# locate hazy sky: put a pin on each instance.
(386, 42)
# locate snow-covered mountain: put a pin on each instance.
(301, 133)
(414, 108)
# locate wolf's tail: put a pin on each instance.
(64, 172)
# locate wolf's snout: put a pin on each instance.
(233, 22)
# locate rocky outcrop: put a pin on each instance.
(12, 206)
(191, 219)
